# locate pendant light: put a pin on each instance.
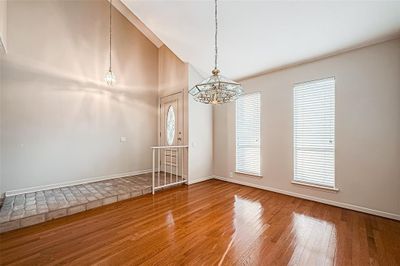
(216, 89)
(110, 77)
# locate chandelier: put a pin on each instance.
(216, 89)
(109, 78)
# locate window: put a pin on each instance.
(314, 132)
(248, 134)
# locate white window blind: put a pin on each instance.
(314, 132)
(248, 134)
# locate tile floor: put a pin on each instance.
(32, 208)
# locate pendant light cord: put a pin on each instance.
(110, 32)
(216, 36)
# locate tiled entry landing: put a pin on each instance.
(32, 208)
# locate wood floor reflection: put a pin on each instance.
(209, 223)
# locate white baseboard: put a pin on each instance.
(325, 201)
(75, 182)
(200, 179)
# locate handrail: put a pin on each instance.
(167, 147)
(168, 162)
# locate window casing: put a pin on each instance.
(248, 129)
(314, 132)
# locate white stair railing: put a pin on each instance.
(168, 166)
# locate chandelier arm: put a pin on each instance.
(216, 35)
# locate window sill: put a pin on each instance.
(248, 174)
(335, 189)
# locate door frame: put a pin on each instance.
(182, 111)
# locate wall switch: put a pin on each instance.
(123, 139)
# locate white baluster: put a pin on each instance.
(152, 179)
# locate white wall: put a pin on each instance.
(200, 134)
(3, 25)
(3, 48)
(367, 129)
(59, 122)
(2, 54)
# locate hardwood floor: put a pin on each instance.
(210, 223)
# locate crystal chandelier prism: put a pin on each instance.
(109, 78)
(216, 89)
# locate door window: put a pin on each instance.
(170, 132)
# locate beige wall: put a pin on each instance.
(59, 122)
(367, 129)
(173, 73)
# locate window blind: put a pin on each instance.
(248, 134)
(314, 132)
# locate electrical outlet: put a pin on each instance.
(231, 174)
(123, 139)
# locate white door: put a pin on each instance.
(171, 130)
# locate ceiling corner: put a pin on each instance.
(126, 12)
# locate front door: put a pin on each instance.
(171, 124)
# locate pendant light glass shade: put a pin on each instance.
(216, 89)
(109, 78)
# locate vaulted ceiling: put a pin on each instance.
(259, 36)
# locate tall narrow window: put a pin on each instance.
(248, 134)
(314, 132)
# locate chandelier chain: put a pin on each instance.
(110, 32)
(216, 35)
(216, 89)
